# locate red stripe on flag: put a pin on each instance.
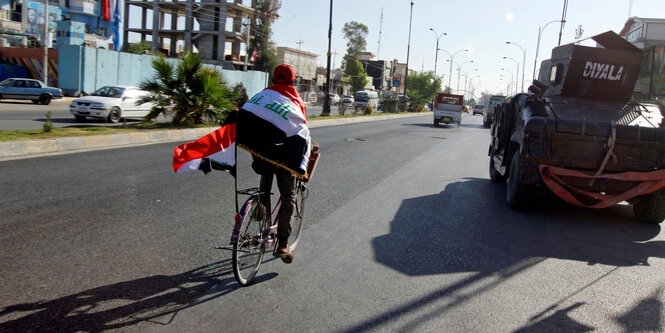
(208, 145)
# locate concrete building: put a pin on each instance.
(304, 64)
(216, 29)
(648, 34)
(380, 72)
(23, 22)
(399, 74)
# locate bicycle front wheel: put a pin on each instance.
(298, 217)
(248, 250)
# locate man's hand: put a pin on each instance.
(315, 146)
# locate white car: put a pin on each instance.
(112, 103)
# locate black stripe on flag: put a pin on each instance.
(260, 137)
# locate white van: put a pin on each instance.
(365, 98)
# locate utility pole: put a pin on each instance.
(299, 42)
(45, 41)
(326, 101)
(408, 49)
(244, 67)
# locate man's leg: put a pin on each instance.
(286, 184)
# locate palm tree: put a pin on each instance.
(195, 93)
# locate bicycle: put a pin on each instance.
(255, 231)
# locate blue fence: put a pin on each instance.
(86, 69)
(7, 71)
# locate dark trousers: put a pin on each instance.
(286, 183)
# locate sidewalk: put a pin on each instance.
(12, 150)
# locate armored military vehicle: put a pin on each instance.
(576, 134)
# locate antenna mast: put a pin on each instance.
(378, 52)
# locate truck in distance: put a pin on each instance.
(448, 109)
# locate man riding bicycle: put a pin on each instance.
(271, 126)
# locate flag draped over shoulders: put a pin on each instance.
(218, 146)
(272, 125)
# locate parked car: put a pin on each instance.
(478, 109)
(347, 99)
(334, 99)
(34, 90)
(112, 103)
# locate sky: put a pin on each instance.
(481, 26)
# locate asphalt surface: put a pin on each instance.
(404, 233)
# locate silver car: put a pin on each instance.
(34, 90)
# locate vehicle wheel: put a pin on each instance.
(650, 208)
(248, 251)
(114, 115)
(45, 99)
(298, 217)
(516, 193)
(495, 176)
(79, 118)
(436, 123)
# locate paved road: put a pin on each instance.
(405, 233)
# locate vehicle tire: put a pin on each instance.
(248, 250)
(650, 208)
(114, 115)
(79, 118)
(298, 217)
(516, 194)
(436, 123)
(495, 176)
(36, 101)
(45, 99)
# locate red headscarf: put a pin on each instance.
(282, 80)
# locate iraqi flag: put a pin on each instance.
(215, 150)
(272, 126)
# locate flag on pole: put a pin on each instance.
(106, 10)
(218, 146)
(254, 55)
(116, 27)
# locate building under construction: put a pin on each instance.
(219, 30)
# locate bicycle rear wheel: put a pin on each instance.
(298, 216)
(248, 250)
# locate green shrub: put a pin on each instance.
(368, 110)
(48, 125)
(390, 106)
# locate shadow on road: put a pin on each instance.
(125, 303)
(468, 228)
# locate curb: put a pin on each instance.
(11, 150)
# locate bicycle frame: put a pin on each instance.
(269, 236)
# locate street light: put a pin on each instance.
(450, 70)
(466, 76)
(540, 31)
(459, 69)
(436, 55)
(517, 65)
(523, 60)
(511, 80)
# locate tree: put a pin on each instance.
(266, 11)
(140, 47)
(355, 34)
(448, 90)
(356, 75)
(422, 88)
(196, 94)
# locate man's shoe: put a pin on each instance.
(283, 252)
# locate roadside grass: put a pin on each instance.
(86, 130)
